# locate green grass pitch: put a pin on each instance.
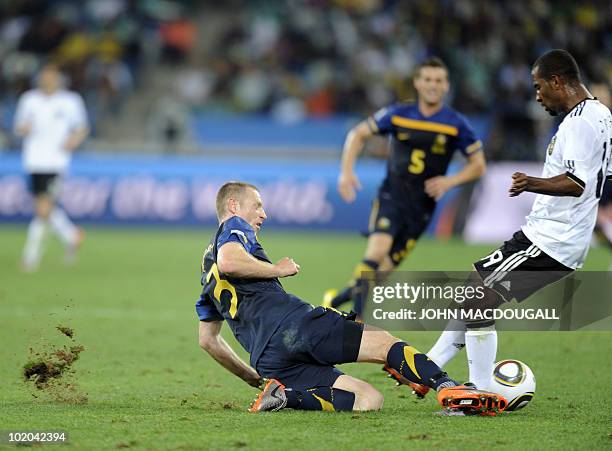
(149, 386)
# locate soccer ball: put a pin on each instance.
(515, 381)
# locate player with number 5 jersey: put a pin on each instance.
(423, 138)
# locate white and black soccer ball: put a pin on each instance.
(515, 381)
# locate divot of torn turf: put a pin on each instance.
(68, 331)
(51, 370)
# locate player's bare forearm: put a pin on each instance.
(234, 261)
(559, 185)
(353, 145)
(348, 181)
(76, 138)
(436, 187)
(212, 342)
(228, 359)
(475, 167)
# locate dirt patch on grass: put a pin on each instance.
(50, 371)
(53, 365)
(66, 331)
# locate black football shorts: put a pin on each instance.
(519, 268)
(303, 352)
(403, 218)
(47, 183)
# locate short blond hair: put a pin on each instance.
(227, 191)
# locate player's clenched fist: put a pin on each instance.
(519, 184)
(287, 267)
(347, 184)
(435, 187)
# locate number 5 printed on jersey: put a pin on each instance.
(223, 285)
(417, 161)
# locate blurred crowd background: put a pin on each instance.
(148, 68)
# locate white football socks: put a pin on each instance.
(481, 348)
(63, 226)
(32, 251)
(450, 342)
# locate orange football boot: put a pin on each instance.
(471, 401)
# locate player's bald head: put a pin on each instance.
(231, 190)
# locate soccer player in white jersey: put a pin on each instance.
(53, 123)
(555, 239)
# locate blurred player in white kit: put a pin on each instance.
(52, 122)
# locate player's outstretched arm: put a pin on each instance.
(213, 343)
(234, 261)
(347, 180)
(475, 167)
(560, 185)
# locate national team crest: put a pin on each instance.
(551, 145)
(439, 145)
(383, 223)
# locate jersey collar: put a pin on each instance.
(583, 100)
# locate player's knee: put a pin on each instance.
(372, 257)
(378, 247)
(43, 211)
(376, 254)
(368, 398)
(43, 207)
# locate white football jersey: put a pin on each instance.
(51, 118)
(562, 226)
